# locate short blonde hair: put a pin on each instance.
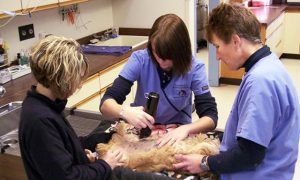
(59, 64)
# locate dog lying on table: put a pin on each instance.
(142, 155)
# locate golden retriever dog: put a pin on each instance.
(142, 154)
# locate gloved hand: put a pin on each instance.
(137, 117)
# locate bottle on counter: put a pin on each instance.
(22, 58)
(2, 52)
(1, 55)
(19, 59)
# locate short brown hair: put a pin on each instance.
(171, 40)
(228, 19)
(58, 64)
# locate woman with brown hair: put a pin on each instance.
(168, 68)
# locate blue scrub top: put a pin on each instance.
(266, 111)
(175, 103)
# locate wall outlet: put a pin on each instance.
(26, 32)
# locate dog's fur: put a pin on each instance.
(142, 154)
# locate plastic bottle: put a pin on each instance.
(2, 51)
(1, 55)
(19, 59)
(24, 58)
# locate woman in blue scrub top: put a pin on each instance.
(262, 132)
(168, 68)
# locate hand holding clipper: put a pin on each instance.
(151, 108)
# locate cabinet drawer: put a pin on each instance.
(109, 76)
(90, 87)
(274, 25)
(274, 41)
(291, 33)
(93, 104)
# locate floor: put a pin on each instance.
(225, 94)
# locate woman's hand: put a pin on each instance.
(137, 117)
(189, 163)
(114, 158)
(173, 136)
(90, 155)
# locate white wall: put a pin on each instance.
(97, 14)
(142, 13)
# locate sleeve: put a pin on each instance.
(206, 106)
(258, 111)
(90, 142)
(199, 78)
(118, 91)
(245, 155)
(132, 69)
(52, 160)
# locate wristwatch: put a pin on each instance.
(204, 165)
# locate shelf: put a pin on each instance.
(46, 7)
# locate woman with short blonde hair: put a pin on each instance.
(50, 149)
(58, 64)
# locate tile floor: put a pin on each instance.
(225, 94)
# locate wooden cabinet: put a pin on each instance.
(226, 73)
(35, 5)
(88, 97)
(89, 87)
(93, 103)
(274, 35)
(106, 78)
(10, 5)
(291, 33)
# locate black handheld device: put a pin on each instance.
(151, 108)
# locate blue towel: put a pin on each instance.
(105, 50)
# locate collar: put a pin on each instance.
(164, 76)
(58, 105)
(255, 57)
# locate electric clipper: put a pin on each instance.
(151, 107)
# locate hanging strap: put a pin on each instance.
(174, 105)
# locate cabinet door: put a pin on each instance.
(93, 104)
(274, 41)
(10, 5)
(274, 35)
(291, 36)
(36, 3)
(90, 87)
(108, 77)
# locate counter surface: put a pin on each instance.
(267, 14)
(16, 89)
